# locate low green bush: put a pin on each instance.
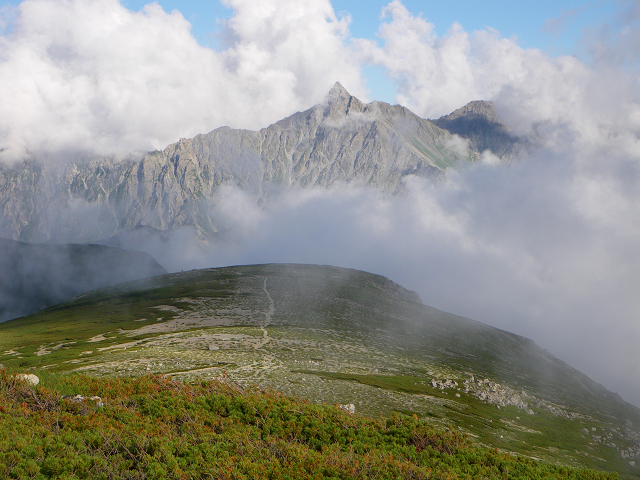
(156, 428)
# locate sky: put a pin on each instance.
(555, 27)
(546, 247)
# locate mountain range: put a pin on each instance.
(341, 140)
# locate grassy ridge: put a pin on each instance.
(154, 427)
(335, 336)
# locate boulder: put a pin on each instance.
(80, 399)
(350, 408)
(28, 378)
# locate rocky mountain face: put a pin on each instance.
(37, 276)
(339, 140)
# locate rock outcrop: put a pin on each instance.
(443, 384)
(28, 378)
(496, 394)
(349, 408)
(80, 399)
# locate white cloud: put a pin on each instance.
(94, 76)
(293, 49)
(433, 74)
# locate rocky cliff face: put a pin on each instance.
(339, 140)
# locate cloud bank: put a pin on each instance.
(539, 249)
(546, 248)
(95, 77)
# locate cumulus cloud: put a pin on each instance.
(96, 77)
(418, 61)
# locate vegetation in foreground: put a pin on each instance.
(155, 427)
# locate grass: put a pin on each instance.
(389, 382)
(508, 428)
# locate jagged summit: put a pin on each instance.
(337, 94)
(339, 102)
(479, 123)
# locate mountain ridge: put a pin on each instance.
(37, 276)
(479, 123)
(340, 140)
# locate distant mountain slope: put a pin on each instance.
(36, 276)
(339, 140)
(340, 336)
(479, 123)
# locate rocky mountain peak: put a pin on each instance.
(479, 123)
(337, 95)
(340, 102)
(339, 140)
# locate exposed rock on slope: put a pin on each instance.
(340, 140)
(36, 276)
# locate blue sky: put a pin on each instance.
(528, 21)
(555, 27)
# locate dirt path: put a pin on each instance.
(267, 318)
